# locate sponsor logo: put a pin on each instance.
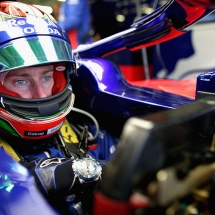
(21, 22)
(35, 134)
(30, 30)
(51, 161)
(60, 68)
(51, 130)
(42, 133)
(27, 27)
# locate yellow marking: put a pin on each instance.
(8, 149)
(68, 134)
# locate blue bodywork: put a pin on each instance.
(100, 85)
(205, 82)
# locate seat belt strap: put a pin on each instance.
(67, 133)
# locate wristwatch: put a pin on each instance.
(87, 170)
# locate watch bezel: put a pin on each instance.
(78, 169)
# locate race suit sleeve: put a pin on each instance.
(55, 177)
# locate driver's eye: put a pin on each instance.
(20, 82)
(47, 78)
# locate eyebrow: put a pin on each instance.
(26, 74)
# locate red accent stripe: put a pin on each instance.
(92, 147)
(106, 206)
(185, 87)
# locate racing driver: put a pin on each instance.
(36, 60)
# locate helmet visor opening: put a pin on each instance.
(35, 82)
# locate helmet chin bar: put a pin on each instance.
(30, 108)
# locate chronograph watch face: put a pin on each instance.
(87, 170)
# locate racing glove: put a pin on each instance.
(62, 176)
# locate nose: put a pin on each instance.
(38, 92)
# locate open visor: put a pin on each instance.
(34, 51)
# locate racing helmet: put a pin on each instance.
(30, 37)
